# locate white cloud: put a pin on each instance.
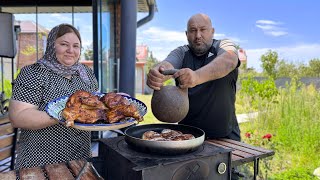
(62, 18)
(271, 28)
(162, 41)
(277, 33)
(265, 27)
(302, 53)
(156, 34)
(268, 22)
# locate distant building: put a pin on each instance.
(142, 54)
(242, 55)
(27, 49)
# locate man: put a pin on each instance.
(208, 68)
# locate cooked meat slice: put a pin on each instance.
(153, 136)
(188, 136)
(166, 135)
(182, 137)
(149, 135)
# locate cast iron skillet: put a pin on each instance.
(133, 137)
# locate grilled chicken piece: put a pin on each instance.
(86, 108)
(87, 116)
(85, 100)
(119, 108)
(112, 100)
(83, 107)
(74, 99)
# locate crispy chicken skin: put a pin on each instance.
(86, 108)
(119, 108)
(87, 116)
(85, 100)
(83, 107)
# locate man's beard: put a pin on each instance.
(200, 50)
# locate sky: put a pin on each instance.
(289, 27)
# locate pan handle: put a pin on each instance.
(118, 131)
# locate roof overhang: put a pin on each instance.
(65, 6)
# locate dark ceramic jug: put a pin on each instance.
(170, 103)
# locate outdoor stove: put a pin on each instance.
(121, 162)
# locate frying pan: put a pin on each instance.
(133, 137)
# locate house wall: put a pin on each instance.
(27, 49)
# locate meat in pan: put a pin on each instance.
(166, 135)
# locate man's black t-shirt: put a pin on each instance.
(211, 104)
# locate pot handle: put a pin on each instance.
(171, 72)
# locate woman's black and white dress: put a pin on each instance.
(38, 85)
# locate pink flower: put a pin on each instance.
(247, 134)
(267, 136)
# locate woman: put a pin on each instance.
(57, 73)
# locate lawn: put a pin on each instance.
(149, 117)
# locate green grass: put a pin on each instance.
(294, 122)
(295, 125)
(149, 117)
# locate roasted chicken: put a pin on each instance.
(119, 107)
(86, 108)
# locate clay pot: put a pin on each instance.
(170, 103)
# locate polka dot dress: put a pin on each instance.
(39, 85)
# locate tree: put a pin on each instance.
(314, 65)
(151, 61)
(285, 69)
(269, 61)
(88, 53)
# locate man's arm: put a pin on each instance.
(225, 62)
(221, 66)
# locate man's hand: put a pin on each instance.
(187, 78)
(154, 78)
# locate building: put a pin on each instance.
(114, 24)
(242, 55)
(141, 60)
(28, 42)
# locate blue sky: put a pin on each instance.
(290, 27)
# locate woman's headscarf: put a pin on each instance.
(50, 59)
